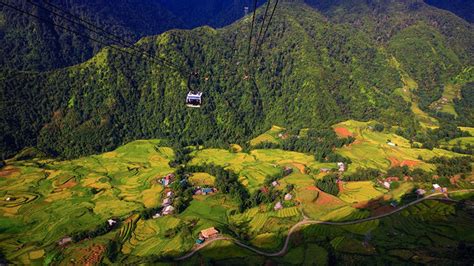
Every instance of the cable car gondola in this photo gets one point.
(194, 99)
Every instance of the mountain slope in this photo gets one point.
(311, 72)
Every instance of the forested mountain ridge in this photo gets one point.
(29, 44)
(312, 71)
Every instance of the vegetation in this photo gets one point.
(329, 184)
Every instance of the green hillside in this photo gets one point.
(311, 71)
(56, 211)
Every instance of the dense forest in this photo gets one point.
(312, 71)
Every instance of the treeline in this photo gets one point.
(226, 182)
(432, 138)
(320, 142)
(329, 184)
(448, 167)
(102, 229)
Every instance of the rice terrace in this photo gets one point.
(289, 208)
(237, 132)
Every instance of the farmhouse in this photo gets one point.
(386, 185)
(156, 215)
(275, 183)
(169, 194)
(391, 144)
(288, 197)
(111, 222)
(341, 166)
(166, 202)
(325, 170)
(287, 170)
(168, 210)
(420, 192)
(278, 206)
(209, 232)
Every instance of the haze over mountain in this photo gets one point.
(379, 60)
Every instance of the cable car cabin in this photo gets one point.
(194, 99)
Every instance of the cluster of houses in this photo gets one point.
(207, 234)
(388, 181)
(166, 204)
(279, 205)
(167, 180)
(438, 188)
(341, 167)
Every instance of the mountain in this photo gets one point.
(27, 43)
(316, 67)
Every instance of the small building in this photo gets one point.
(166, 202)
(287, 170)
(394, 204)
(111, 222)
(436, 187)
(209, 232)
(391, 144)
(288, 196)
(278, 206)
(169, 194)
(325, 170)
(64, 241)
(341, 166)
(168, 210)
(156, 215)
(386, 185)
(275, 183)
(198, 191)
(392, 179)
(420, 192)
(207, 190)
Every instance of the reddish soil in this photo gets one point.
(300, 167)
(8, 172)
(382, 210)
(323, 197)
(395, 162)
(95, 255)
(340, 185)
(313, 188)
(69, 184)
(454, 180)
(410, 163)
(343, 132)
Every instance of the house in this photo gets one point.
(167, 180)
(207, 190)
(394, 204)
(111, 222)
(64, 241)
(325, 170)
(391, 144)
(436, 187)
(200, 240)
(392, 179)
(167, 210)
(341, 166)
(169, 194)
(278, 206)
(209, 232)
(166, 202)
(198, 191)
(386, 185)
(420, 192)
(288, 196)
(275, 183)
(287, 170)
(156, 215)
(444, 190)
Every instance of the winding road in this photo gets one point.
(308, 222)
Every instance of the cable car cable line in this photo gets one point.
(251, 27)
(116, 39)
(263, 24)
(259, 46)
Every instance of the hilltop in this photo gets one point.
(314, 69)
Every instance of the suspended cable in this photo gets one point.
(251, 27)
(263, 23)
(259, 46)
(114, 38)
